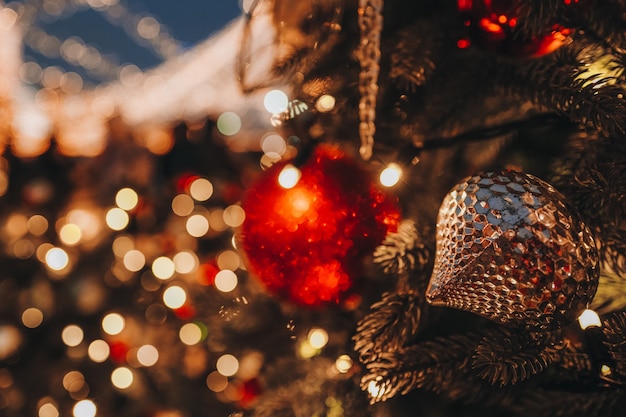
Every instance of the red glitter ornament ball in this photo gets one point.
(307, 243)
(490, 24)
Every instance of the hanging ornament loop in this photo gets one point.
(370, 24)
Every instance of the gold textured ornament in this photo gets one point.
(510, 248)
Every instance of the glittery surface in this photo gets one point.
(510, 248)
(307, 243)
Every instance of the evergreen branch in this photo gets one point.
(402, 252)
(535, 17)
(562, 82)
(507, 356)
(611, 293)
(392, 322)
(431, 365)
(412, 61)
(592, 174)
(558, 403)
(615, 339)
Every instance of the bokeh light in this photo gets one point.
(126, 199)
(201, 189)
(234, 215)
(325, 103)
(190, 334)
(343, 364)
(57, 259)
(98, 351)
(276, 101)
(227, 365)
(122, 377)
(113, 323)
(72, 335)
(289, 176)
(391, 175)
(85, 408)
(70, 234)
(48, 409)
(117, 219)
(182, 205)
(197, 225)
(216, 382)
(134, 260)
(226, 280)
(163, 268)
(229, 123)
(318, 338)
(185, 262)
(37, 225)
(32, 317)
(147, 355)
(174, 297)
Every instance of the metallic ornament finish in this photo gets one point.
(511, 249)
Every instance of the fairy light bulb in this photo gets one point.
(391, 175)
(289, 176)
(589, 318)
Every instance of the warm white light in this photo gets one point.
(589, 318)
(201, 189)
(228, 260)
(98, 351)
(37, 225)
(325, 103)
(182, 205)
(343, 364)
(275, 101)
(57, 259)
(148, 27)
(70, 234)
(117, 219)
(72, 335)
(227, 365)
(134, 260)
(234, 215)
(391, 175)
(113, 323)
(185, 262)
(122, 377)
(229, 123)
(226, 280)
(48, 410)
(216, 382)
(373, 389)
(147, 355)
(32, 317)
(163, 267)
(190, 334)
(318, 338)
(174, 297)
(126, 199)
(289, 176)
(273, 145)
(197, 225)
(85, 408)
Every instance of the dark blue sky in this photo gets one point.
(187, 21)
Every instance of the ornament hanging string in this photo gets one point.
(371, 25)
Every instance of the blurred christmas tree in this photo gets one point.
(418, 210)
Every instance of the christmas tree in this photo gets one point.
(372, 209)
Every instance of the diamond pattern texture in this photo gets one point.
(511, 248)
